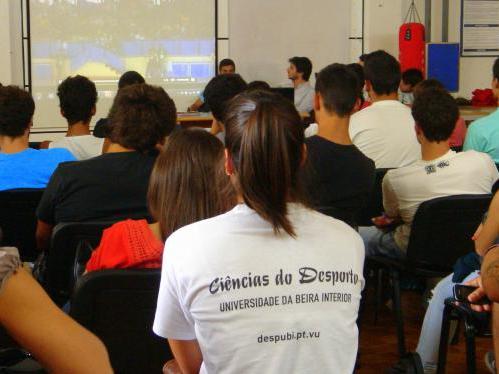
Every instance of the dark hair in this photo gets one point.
(431, 83)
(16, 111)
(358, 70)
(339, 89)
(303, 65)
(264, 138)
(412, 76)
(188, 182)
(495, 69)
(220, 90)
(141, 117)
(363, 57)
(383, 71)
(257, 85)
(77, 98)
(435, 112)
(129, 78)
(226, 62)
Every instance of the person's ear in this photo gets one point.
(356, 107)
(368, 86)
(62, 113)
(419, 132)
(304, 155)
(317, 101)
(94, 110)
(229, 164)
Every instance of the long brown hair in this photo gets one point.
(264, 137)
(188, 182)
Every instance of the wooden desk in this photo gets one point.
(471, 113)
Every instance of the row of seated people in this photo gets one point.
(259, 122)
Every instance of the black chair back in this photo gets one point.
(374, 206)
(119, 306)
(66, 238)
(442, 229)
(18, 220)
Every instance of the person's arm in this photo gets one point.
(390, 200)
(45, 144)
(57, 341)
(188, 355)
(489, 231)
(216, 127)
(195, 106)
(43, 235)
(490, 274)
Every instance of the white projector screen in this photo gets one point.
(170, 42)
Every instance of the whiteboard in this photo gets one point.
(265, 34)
(480, 28)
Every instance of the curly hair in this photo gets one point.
(435, 112)
(141, 117)
(16, 111)
(77, 99)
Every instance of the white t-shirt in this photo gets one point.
(82, 147)
(454, 173)
(311, 130)
(384, 132)
(264, 303)
(304, 97)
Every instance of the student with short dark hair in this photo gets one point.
(174, 201)
(21, 166)
(410, 78)
(299, 71)
(339, 177)
(257, 85)
(384, 131)
(440, 172)
(218, 93)
(257, 264)
(101, 129)
(77, 99)
(225, 66)
(483, 134)
(112, 186)
(459, 133)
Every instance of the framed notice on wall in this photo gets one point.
(479, 28)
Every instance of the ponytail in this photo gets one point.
(265, 140)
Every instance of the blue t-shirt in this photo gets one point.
(483, 136)
(30, 168)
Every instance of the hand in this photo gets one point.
(476, 295)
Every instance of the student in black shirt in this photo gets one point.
(112, 186)
(338, 177)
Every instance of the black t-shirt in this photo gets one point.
(338, 178)
(109, 187)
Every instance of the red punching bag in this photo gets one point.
(412, 42)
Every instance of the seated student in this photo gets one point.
(257, 264)
(299, 71)
(77, 98)
(112, 186)
(440, 172)
(217, 94)
(127, 79)
(226, 66)
(384, 131)
(188, 184)
(59, 343)
(21, 166)
(339, 178)
(483, 134)
(459, 133)
(410, 78)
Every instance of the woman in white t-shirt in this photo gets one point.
(270, 286)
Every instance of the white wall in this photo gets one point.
(5, 45)
(265, 34)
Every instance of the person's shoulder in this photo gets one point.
(472, 156)
(60, 154)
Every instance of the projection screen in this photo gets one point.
(170, 42)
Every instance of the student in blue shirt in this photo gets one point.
(483, 134)
(21, 166)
